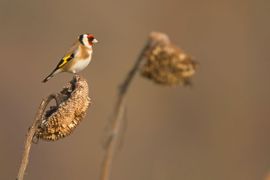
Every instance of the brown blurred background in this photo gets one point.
(216, 130)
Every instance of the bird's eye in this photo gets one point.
(90, 39)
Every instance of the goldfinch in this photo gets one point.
(77, 58)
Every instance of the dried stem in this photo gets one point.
(118, 117)
(31, 133)
(59, 121)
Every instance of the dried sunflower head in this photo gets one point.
(167, 64)
(60, 121)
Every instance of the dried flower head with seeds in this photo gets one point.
(60, 121)
(167, 64)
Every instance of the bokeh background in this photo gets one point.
(218, 129)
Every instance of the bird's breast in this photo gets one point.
(79, 65)
(81, 60)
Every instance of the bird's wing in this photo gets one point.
(69, 55)
(62, 62)
(65, 60)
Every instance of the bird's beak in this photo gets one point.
(95, 41)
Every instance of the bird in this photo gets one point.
(77, 57)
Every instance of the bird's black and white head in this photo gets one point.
(87, 40)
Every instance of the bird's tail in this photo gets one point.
(47, 78)
(56, 71)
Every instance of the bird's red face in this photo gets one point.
(87, 40)
(91, 39)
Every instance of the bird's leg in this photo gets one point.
(75, 78)
(75, 73)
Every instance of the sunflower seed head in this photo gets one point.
(167, 64)
(59, 122)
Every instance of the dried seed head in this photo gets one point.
(165, 63)
(60, 121)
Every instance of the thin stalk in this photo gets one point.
(30, 135)
(118, 117)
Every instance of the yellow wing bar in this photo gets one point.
(65, 60)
